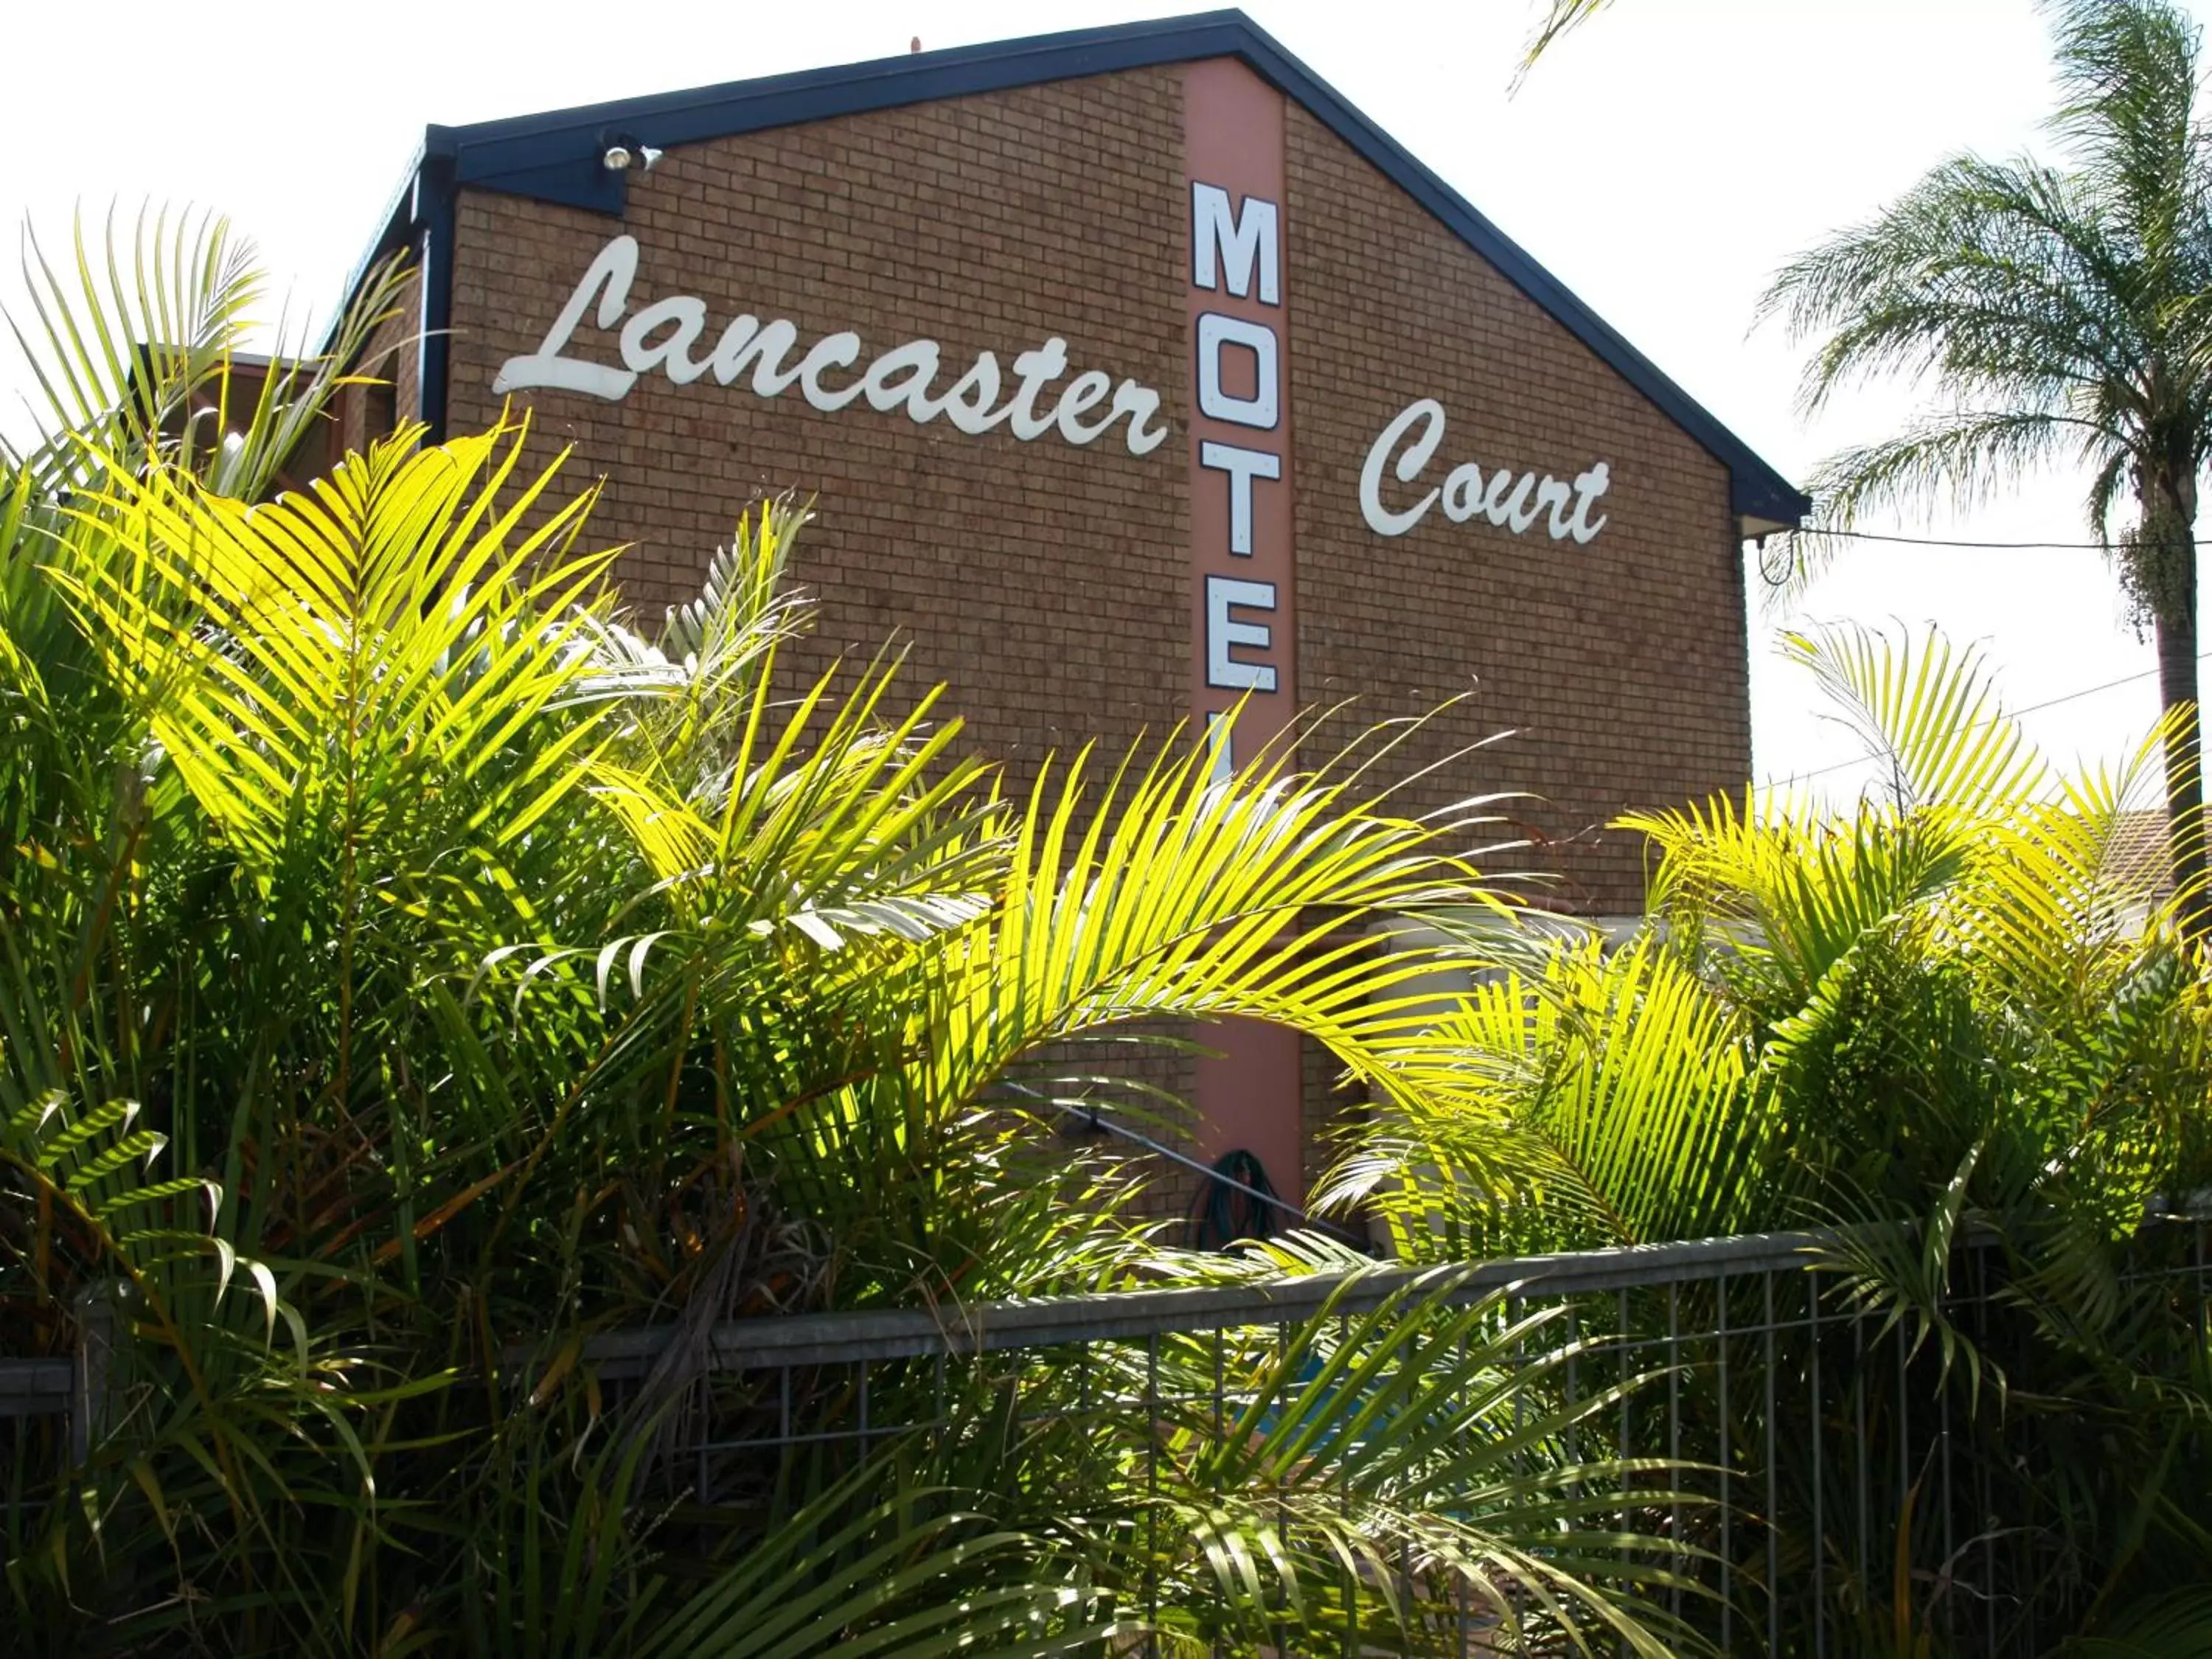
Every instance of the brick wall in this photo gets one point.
(1619, 665)
(366, 413)
(1050, 586)
(1044, 584)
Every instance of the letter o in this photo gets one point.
(1215, 332)
(1463, 493)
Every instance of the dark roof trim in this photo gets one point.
(555, 157)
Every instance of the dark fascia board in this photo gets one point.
(393, 231)
(556, 157)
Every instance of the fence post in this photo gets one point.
(93, 1368)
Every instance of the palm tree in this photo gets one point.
(2059, 313)
(1954, 1006)
(1761, 1048)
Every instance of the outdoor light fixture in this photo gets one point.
(623, 152)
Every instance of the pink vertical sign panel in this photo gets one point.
(1243, 631)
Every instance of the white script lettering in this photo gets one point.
(549, 366)
(1511, 501)
(661, 338)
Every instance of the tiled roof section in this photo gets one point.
(2137, 857)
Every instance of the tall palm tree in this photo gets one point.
(2059, 313)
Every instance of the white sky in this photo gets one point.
(1662, 163)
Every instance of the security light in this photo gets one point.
(624, 152)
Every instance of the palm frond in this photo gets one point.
(1396, 1472)
(911, 1577)
(2128, 82)
(1181, 896)
(1959, 458)
(392, 615)
(1926, 714)
(2162, 1627)
(712, 651)
(139, 357)
(1560, 18)
(2001, 280)
(1607, 1100)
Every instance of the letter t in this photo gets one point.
(1242, 465)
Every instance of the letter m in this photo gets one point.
(1224, 248)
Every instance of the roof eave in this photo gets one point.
(396, 229)
(555, 157)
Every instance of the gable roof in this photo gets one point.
(2139, 854)
(556, 157)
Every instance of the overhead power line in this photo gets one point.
(2005, 714)
(1939, 541)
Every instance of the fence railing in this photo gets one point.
(1829, 1472)
(799, 1340)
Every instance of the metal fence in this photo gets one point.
(1837, 1470)
(1832, 1473)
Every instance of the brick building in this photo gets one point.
(1131, 372)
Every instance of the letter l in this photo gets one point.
(617, 268)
